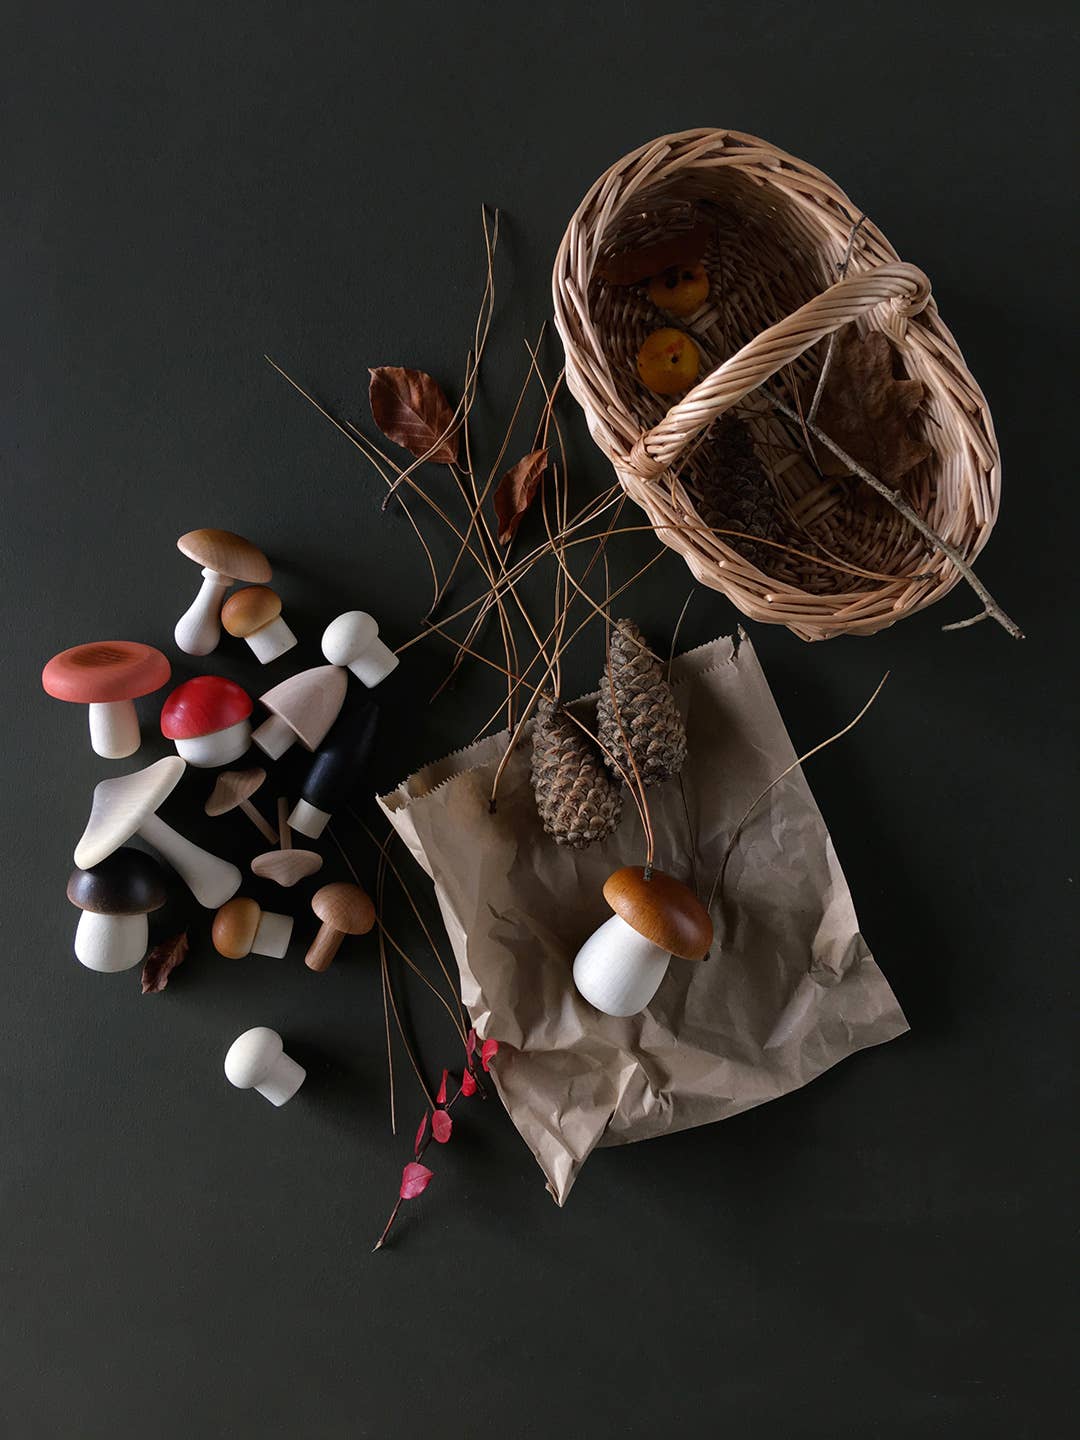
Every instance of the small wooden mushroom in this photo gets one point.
(241, 928)
(233, 791)
(115, 896)
(285, 866)
(257, 1061)
(344, 909)
(127, 805)
(619, 968)
(107, 676)
(301, 708)
(206, 718)
(353, 640)
(254, 615)
(225, 557)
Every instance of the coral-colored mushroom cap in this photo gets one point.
(105, 671)
(202, 706)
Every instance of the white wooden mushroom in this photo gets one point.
(257, 1061)
(353, 640)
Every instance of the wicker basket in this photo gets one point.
(780, 230)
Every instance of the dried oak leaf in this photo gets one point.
(868, 411)
(516, 491)
(410, 408)
(627, 267)
(415, 1179)
(162, 961)
(441, 1126)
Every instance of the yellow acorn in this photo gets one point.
(668, 362)
(680, 290)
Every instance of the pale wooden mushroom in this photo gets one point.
(285, 866)
(225, 557)
(344, 909)
(301, 708)
(233, 791)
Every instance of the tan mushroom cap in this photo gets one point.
(309, 702)
(234, 927)
(226, 553)
(286, 867)
(122, 804)
(232, 788)
(344, 907)
(662, 909)
(250, 610)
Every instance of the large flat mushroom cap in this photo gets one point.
(127, 882)
(345, 907)
(309, 702)
(662, 909)
(226, 553)
(105, 671)
(122, 804)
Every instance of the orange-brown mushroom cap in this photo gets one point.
(226, 553)
(234, 927)
(249, 610)
(662, 909)
(344, 907)
(105, 671)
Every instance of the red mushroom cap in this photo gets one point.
(105, 671)
(202, 706)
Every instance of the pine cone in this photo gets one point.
(646, 707)
(576, 799)
(735, 493)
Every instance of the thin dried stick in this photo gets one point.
(826, 364)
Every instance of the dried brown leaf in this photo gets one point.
(162, 961)
(516, 491)
(628, 267)
(867, 411)
(410, 408)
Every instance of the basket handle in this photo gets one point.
(904, 285)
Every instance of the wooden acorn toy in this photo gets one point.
(352, 640)
(225, 557)
(285, 866)
(339, 764)
(106, 676)
(207, 719)
(257, 1061)
(240, 928)
(344, 909)
(619, 968)
(301, 708)
(127, 806)
(115, 896)
(254, 615)
(233, 791)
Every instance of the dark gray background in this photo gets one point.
(883, 1254)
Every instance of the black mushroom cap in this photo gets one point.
(127, 882)
(344, 757)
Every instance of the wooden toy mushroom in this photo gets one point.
(254, 615)
(344, 909)
(339, 764)
(225, 557)
(127, 805)
(207, 719)
(301, 708)
(115, 896)
(353, 640)
(621, 965)
(257, 1061)
(106, 676)
(285, 866)
(241, 928)
(233, 791)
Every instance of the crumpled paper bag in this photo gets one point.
(790, 986)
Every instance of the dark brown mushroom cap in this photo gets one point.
(127, 882)
(344, 907)
(226, 553)
(662, 909)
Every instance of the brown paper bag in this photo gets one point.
(790, 987)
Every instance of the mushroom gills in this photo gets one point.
(617, 970)
(109, 943)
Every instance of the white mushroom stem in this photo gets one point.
(308, 819)
(114, 729)
(220, 747)
(111, 942)
(376, 662)
(274, 736)
(273, 935)
(212, 881)
(617, 970)
(199, 628)
(271, 641)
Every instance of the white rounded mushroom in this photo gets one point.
(257, 1061)
(352, 640)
